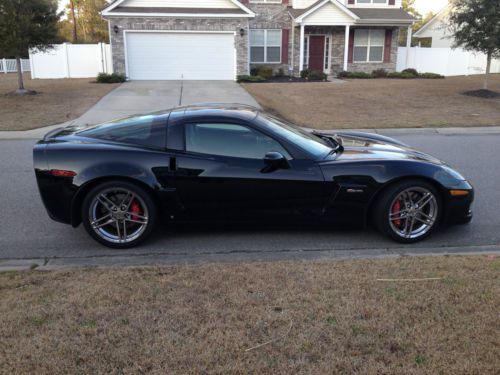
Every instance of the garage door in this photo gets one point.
(175, 56)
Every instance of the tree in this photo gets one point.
(476, 27)
(84, 23)
(409, 7)
(27, 24)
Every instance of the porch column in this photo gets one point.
(302, 35)
(346, 47)
(408, 45)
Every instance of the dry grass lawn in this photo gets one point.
(381, 103)
(295, 317)
(59, 100)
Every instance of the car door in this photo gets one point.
(222, 172)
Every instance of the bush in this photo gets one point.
(247, 78)
(411, 71)
(316, 75)
(281, 73)
(111, 78)
(361, 75)
(305, 73)
(379, 73)
(264, 71)
(430, 75)
(343, 74)
(403, 75)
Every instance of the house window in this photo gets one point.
(265, 46)
(369, 45)
(306, 52)
(371, 1)
(327, 53)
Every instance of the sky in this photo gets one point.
(422, 6)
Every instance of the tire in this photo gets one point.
(119, 214)
(393, 218)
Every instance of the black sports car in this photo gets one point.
(234, 162)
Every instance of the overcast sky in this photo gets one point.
(423, 6)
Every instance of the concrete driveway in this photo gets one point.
(147, 96)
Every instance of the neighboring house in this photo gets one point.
(219, 39)
(436, 32)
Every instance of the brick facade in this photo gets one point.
(268, 16)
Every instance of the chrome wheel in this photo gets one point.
(413, 212)
(118, 215)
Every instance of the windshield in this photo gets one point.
(314, 145)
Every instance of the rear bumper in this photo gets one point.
(57, 194)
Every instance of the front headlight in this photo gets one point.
(453, 173)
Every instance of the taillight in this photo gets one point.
(62, 173)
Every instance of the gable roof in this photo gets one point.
(300, 14)
(360, 15)
(117, 8)
(443, 12)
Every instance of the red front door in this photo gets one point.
(316, 52)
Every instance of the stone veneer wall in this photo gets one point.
(163, 23)
(272, 16)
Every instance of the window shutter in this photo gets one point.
(285, 33)
(351, 2)
(388, 46)
(285, 2)
(392, 2)
(351, 47)
(246, 1)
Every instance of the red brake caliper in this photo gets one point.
(396, 207)
(135, 208)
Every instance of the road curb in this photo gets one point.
(158, 259)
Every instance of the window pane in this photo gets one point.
(257, 54)
(377, 37)
(361, 38)
(256, 37)
(376, 53)
(379, 1)
(364, 1)
(230, 140)
(273, 54)
(274, 38)
(360, 53)
(149, 131)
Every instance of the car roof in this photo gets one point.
(217, 110)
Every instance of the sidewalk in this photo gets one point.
(39, 133)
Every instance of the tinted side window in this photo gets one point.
(147, 130)
(230, 140)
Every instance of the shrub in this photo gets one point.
(305, 73)
(343, 74)
(379, 73)
(361, 75)
(253, 72)
(265, 72)
(281, 73)
(111, 78)
(411, 71)
(247, 78)
(430, 75)
(403, 75)
(316, 75)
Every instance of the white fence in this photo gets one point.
(71, 61)
(10, 65)
(445, 61)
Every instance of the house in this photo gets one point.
(436, 32)
(219, 39)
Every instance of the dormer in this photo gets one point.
(302, 4)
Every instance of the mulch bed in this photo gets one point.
(286, 79)
(488, 94)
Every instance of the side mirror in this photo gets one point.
(274, 161)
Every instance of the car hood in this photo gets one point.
(366, 146)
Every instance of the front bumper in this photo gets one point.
(459, 208)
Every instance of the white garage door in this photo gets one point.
(175, 56)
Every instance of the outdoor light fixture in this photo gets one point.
(116, 29)
(242, 32)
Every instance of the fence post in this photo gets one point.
(66, 60)
(4, 64)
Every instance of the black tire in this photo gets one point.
(142, 197)
(383, 207)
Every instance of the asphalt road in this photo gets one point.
(26, 232)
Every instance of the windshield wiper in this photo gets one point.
(336, 146)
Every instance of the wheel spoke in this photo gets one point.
(106, 202)
(424, 221)
(118, 232)
(398, 215)
(142, 222)
(127, 201)
(424, 201)
(133, 214)
(97, 221)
